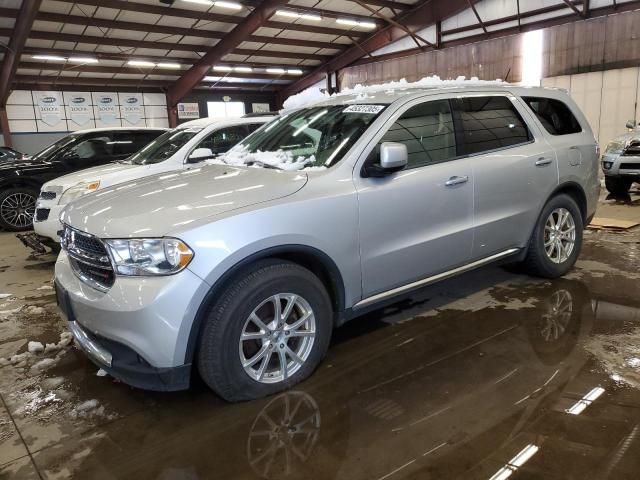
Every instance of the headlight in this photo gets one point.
(153, 256)
(614, 148)
(78, 191)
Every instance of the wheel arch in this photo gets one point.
(311, 258)
(575, 191)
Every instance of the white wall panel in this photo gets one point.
(586, 90)
(619, 91)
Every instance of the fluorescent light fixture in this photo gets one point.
(229, 5)
(222, 68)
(140, 63)
(516, 462)
(169, 65)
(201, 2)
(294, 71)
(49, 57)
(276, 71)
(585, 401)
(83, 60)
(288, 13)
(355, 23)
(212, 79)
(303, 16)
(243, 69)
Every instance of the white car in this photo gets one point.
(182, 148)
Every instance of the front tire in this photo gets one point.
(268, 331)
(618, 186)
(556, 241)
(17, 207)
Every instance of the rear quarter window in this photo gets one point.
(554, 115)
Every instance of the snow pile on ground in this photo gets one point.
(305, 98)
(5, 295)
(35, 347)
(35, 350)
(45, 287)
(33, 310)
(239, 156)
(313, 95)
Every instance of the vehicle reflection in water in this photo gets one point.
(505, 390)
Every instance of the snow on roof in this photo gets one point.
(314, 95)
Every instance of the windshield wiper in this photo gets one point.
(262, 164)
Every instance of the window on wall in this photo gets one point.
(488, 123)
(427, 131)
(225, 109)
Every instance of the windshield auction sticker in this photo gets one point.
(370, 109)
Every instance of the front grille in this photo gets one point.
(42, 214)
(89, 258)
(48, 195)
(632, 150)
(630, 166)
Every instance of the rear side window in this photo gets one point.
(427, 131)
(554, 115)
(488, 123)
(222, 140)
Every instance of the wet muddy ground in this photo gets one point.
(489, 375)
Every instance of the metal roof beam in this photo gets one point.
(232, 40)
(18, 37)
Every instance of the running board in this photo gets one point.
(436, 278)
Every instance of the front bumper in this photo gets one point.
(138, 330)
(49, 226)
(621, 165)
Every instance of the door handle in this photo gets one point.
(453, 181)
(543, 162)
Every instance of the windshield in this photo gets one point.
(54, 147)
(311, 138)
(164, 146)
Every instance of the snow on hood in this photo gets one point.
(239, 156)
(314, 95)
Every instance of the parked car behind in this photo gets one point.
(8, 153)
(21, 179)
(183, 148)
(621, 161)
(242, 273)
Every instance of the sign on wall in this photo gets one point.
(188, 111)
(107, 104)
(260, 107)
(80, 111)
(131, 107)
(49, 107)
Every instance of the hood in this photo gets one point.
(157, 205)
(104, 173)
(627, 137)
(27, 165)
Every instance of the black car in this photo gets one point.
(7, 153)
(22, 178)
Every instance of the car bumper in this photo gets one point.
(50, 226)
(138, 330)
(620, 165)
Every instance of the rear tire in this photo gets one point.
(618, 186)
(17, 207)
(242, 327)
(556, 241)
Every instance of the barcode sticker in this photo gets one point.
(370, 109)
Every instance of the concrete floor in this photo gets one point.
(453, 383)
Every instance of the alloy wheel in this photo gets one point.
(277, 338)
(17, 209)
(559, 235)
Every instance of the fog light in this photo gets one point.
(607, 165)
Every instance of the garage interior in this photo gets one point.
(490, 375)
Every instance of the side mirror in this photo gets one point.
(631, 124)
(393, 156)
(200, 154)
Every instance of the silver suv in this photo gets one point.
(621, 161)
(242, 270)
